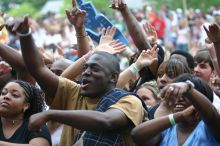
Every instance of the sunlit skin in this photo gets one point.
(204, 71)
(163, 79)
(147, 96)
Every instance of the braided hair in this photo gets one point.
(35, 97)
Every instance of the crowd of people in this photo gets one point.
(59, 87)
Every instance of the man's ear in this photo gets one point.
(114, 78)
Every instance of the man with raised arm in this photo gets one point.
(106, 115)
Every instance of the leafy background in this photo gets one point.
(32, 7)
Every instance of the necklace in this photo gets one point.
(13, 121)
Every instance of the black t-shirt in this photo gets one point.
(22, 135)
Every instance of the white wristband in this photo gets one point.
(24, 35)
(171, 119)
(133, 68)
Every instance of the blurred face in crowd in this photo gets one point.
(147, 96)
(204, 71)
(169, 70)
(59, 66)
(164, 78)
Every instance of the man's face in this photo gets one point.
(96, 77)
(204, 71)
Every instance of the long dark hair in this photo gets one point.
(35, 97)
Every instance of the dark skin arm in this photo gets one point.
(205, 108)
(213, 33)
(33, 59)
(15, 59)
(76, 18)
(133, 26)
(137, 35)
(148, 133)
(111, 120)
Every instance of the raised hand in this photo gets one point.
(147, 57)
(76, 16)
(107, 35)
(113, 47)
(18, 25)
(150, 32)
(213, 32)
(60, 52)
(173, 90)
(117, 4)
(4, 68)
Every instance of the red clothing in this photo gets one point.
(160, 25)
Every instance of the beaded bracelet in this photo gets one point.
(82, 36)
(24, 34)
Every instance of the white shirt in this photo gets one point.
(216, 101)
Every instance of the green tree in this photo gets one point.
(100, 5)
(24, 9)
(6, 5)
(200, 4)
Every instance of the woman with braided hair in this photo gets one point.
(18, 101)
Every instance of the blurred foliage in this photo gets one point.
(24, 9)
(7, 4)
(196, 4)
(32, 7)
(101, 6)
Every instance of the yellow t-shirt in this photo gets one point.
(68, 98)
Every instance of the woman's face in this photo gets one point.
(164, 78)
(12, 100)
(181, 104)
(147, 96)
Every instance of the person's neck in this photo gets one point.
(11, 122)
(101, 94)
(186, 127)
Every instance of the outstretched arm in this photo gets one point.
(15, 60)
(112, 119)
(38, 141)
(205, 108)
(133, 26)
(76, 18)
(32, 58)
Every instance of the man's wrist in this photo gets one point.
(24, 34)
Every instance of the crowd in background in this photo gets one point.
(181, 44)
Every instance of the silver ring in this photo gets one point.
(171, 88)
